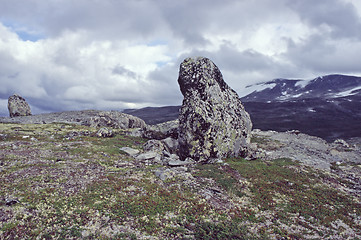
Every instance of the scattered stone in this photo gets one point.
(3, 136)
(296, 132)
(105, 133)
(18, 106)
(130, 151)
(154, 146)
(168, 157)
(178, 163)
(11, 201)
(213, 122)
(340, 143)
(149, 157)
(171, 144)
(76, 134)
(164, 174)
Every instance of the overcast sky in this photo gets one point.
(115, 54)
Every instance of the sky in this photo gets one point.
(65, 55)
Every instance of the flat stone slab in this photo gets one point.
(147, 156)
(130, 151)
(178, 163)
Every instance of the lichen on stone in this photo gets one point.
(211, 115)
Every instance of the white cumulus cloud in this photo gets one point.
(69, 55)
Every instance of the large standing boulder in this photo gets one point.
(213, 122)
(18, 106)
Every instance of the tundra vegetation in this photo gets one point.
(61, 181)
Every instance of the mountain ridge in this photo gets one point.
(326, 87)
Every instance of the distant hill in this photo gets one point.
(328, 107)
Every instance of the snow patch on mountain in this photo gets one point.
(256, 88)
(350, 92)
(302, 83)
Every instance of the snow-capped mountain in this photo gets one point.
(326, 87)
(328, 106)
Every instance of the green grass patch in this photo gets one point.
(225, 176)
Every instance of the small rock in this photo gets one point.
(149, 157)
(105, 132)
(164, 174)
(296, 132)
(3, 136)
(171, 144)
(341, 143)
(130, 151)
(11, 201)
(177, 163)
(154, 146)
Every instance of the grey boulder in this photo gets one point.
(213, 122)
(18, 106)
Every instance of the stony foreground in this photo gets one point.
(62, 181)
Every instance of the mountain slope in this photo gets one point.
(326, 87)
(328, 106)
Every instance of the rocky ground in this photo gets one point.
(63, 180)
(76, 117)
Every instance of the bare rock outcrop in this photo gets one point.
(162, 130)
(18, 106)
(114, 119)
(213, 122)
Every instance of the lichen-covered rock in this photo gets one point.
(154, 145)
(105, 133)
(18, 106)
(162, 130)
(213, 122)
(115, 119)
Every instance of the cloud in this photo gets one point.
(73, 68)
(338, 18)
(69, 55)
(320, 55)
